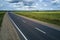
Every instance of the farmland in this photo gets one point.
(50, 17)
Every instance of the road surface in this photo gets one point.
(34, 31)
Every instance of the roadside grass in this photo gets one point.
(50, 17)
(1, 17)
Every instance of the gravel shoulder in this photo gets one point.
(8, 32)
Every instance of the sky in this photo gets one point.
(29, 4)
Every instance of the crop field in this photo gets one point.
(1, 17)
(50, 17)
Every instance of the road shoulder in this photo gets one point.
(8, 32)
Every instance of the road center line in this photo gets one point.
(40, 30)
(23, 21)
(18, 29)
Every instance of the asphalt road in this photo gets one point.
(34, 31)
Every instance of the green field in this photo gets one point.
(50, 17)
(1, 17)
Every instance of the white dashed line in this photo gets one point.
(40, 30)
(24, 21)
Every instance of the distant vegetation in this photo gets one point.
(1, 17)
(46, 16)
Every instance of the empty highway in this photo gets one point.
(34, 31)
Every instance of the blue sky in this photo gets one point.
(29, 4)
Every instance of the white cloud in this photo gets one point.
(40, 0)
(28, 0)
(1, 5)
(37, 4)
(41, 8)
(17, 5)
(45, 5)
(18, 8)
(51, 8)
(55, 1)
(8, 0)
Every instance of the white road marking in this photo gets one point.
(24, 21)
(18, 29)
(40, 30)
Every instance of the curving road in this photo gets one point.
(33, 31)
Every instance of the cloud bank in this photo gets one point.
(29, 4)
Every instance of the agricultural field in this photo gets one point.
(50, 17)
(1, 17)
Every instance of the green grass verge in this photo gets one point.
(50, 17)
(1, 17)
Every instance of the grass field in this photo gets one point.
(1, 17)
(50, 17)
